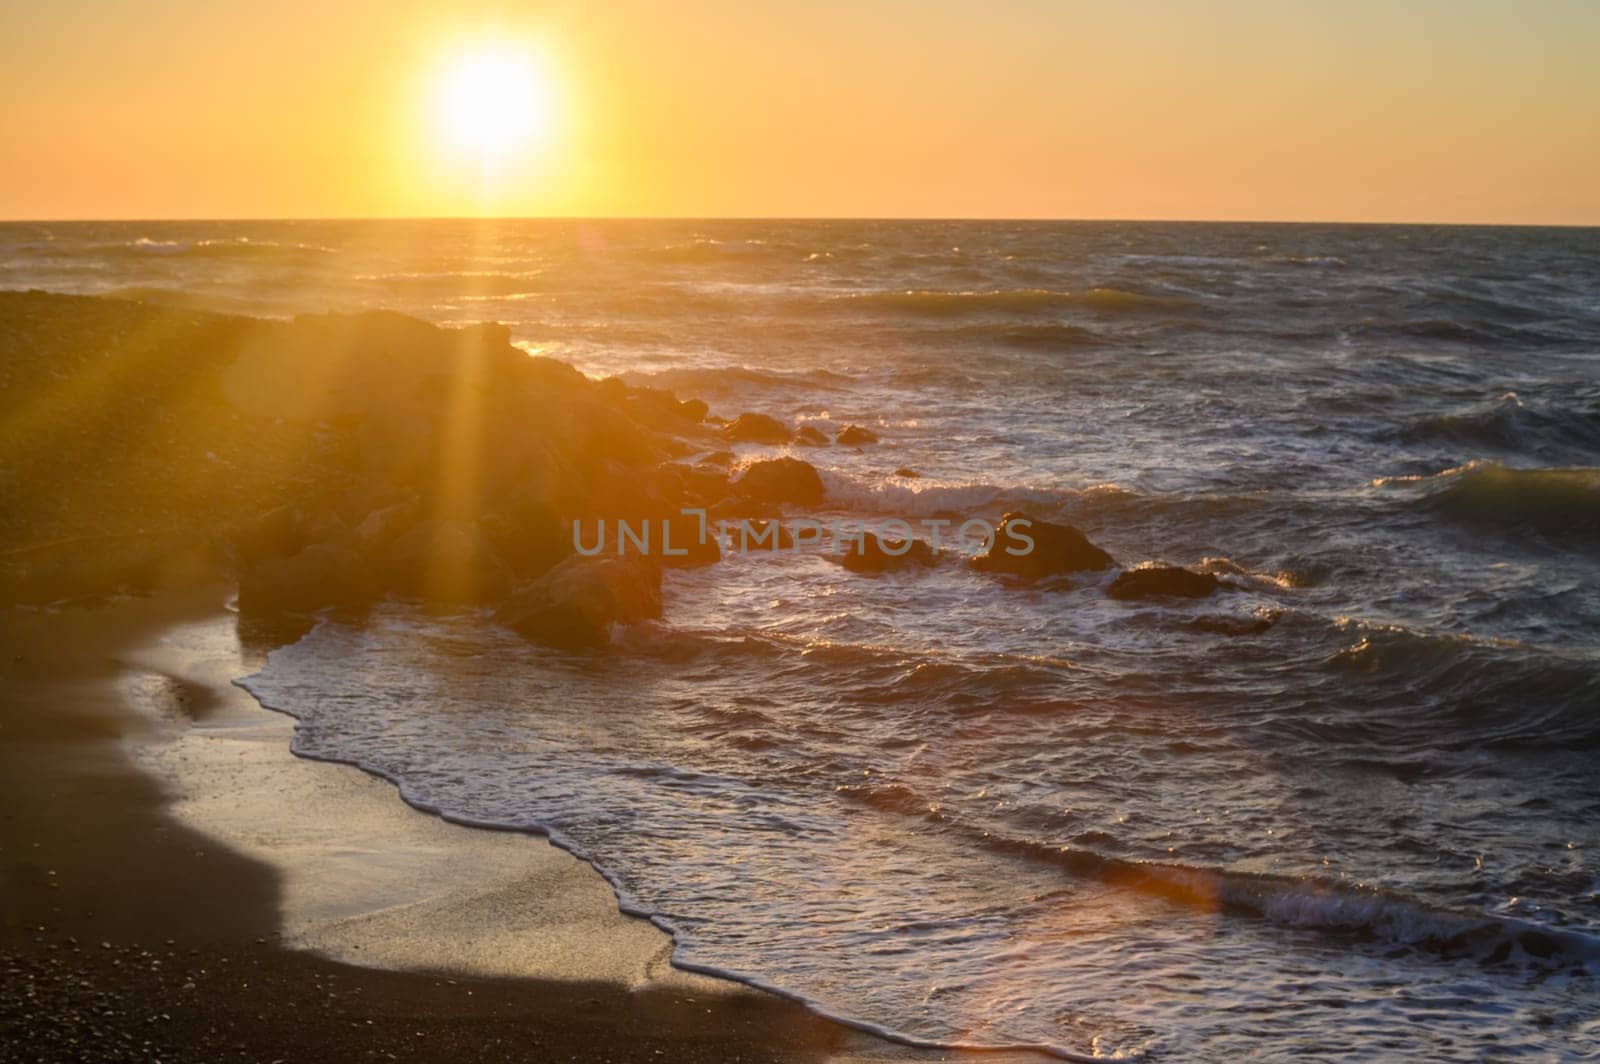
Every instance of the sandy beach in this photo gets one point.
(178, 886)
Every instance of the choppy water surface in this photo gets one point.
(977, 814)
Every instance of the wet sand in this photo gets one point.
(178, 886)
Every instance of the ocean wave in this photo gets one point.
(469, 283)
(1319, 261)
(1552, 501)
(895, 496)
(211, 248)
(940, 303)
(1362, 912)
(691, 380)
(1045, 336)
(709, 250)
(1508, 424)
(1475, 332)
(1098, 505)
(1458, 691)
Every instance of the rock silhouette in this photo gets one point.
(1032, 549)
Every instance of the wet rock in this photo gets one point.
(810, 436)
(855, 436)
(659, 409)
(1161, 581)
(1032, 549)
(574, 605)
(319, 576)
(446, 562)
(277, 533)
(697, 485)
(739, 507)
(759, 534)
(529, 539)
(757, 428)
(782, 480)
(684, 543)
(878, 554)
(1233, 626)
(909, 474)
(376, 533)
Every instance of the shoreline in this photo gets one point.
(174, 888)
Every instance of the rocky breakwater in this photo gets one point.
(331, 461)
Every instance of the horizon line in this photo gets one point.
(1035, 219)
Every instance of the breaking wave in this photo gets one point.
(935, 303)
(1564, 501)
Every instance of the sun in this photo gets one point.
(494, 103)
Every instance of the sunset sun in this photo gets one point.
(493, 103)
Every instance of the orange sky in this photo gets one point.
(1404, 110)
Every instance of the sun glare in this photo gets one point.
(494, 103)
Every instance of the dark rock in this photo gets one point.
(877, 554)
(739, 507)
(659, 409)
(1233, 626)
(446, 562)
(909, 474)
(278, 533)
(782, 480)
(376, 533)
(684, 533)
(530, 540)
(757, 428)
(574, 605)
(855, 436)
(1157, 581)
(697, 485)
(1054, 549)
(754, 535)
(810, 436)
(320, 576)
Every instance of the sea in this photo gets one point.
(1347, 808)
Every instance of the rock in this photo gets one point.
(909, 474)
(782, 480)
(757, 428)
(1158, 581)
(322, 575)
(377, 531)
(855, 436)
(1032, 549)
(529, 541)
(753, 535)
(446, 562)
(683, 533)
(659, 409)
(278, 533)
(738, 507)
(810, 436)
(877, 554)
(1233, 626)
(574, 605)
(696, 485)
